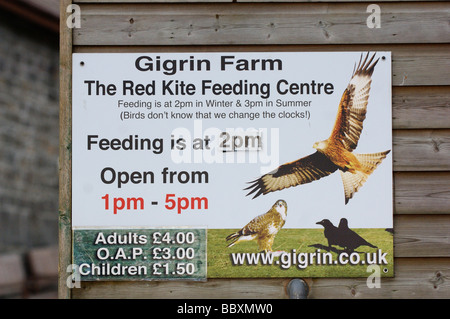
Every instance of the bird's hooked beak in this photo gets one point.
(320, 145)
(320, 223)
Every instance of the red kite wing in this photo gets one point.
(353, 106)
(302, 171)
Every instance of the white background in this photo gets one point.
(229, 207)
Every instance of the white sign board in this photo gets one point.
(179, 140)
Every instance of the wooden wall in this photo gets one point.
(417, 33)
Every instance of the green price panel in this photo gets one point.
(140, 254)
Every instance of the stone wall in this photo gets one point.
(29, 135)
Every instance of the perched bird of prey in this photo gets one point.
(349, 239)
(330, 232)
(262, 228)
(336, 152)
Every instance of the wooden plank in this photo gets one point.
(233, 24)
(65, 152)
(415, 193)
(420, 107)
(412, 65)
(422, 236)
(415, 278)
(422, 193)
(421, 150)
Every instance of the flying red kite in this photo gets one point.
(336, 152)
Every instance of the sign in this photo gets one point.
(226, 165)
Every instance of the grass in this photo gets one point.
(298, 241)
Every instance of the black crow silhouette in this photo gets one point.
(349, 239)
(342, 235)
(331, 232)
